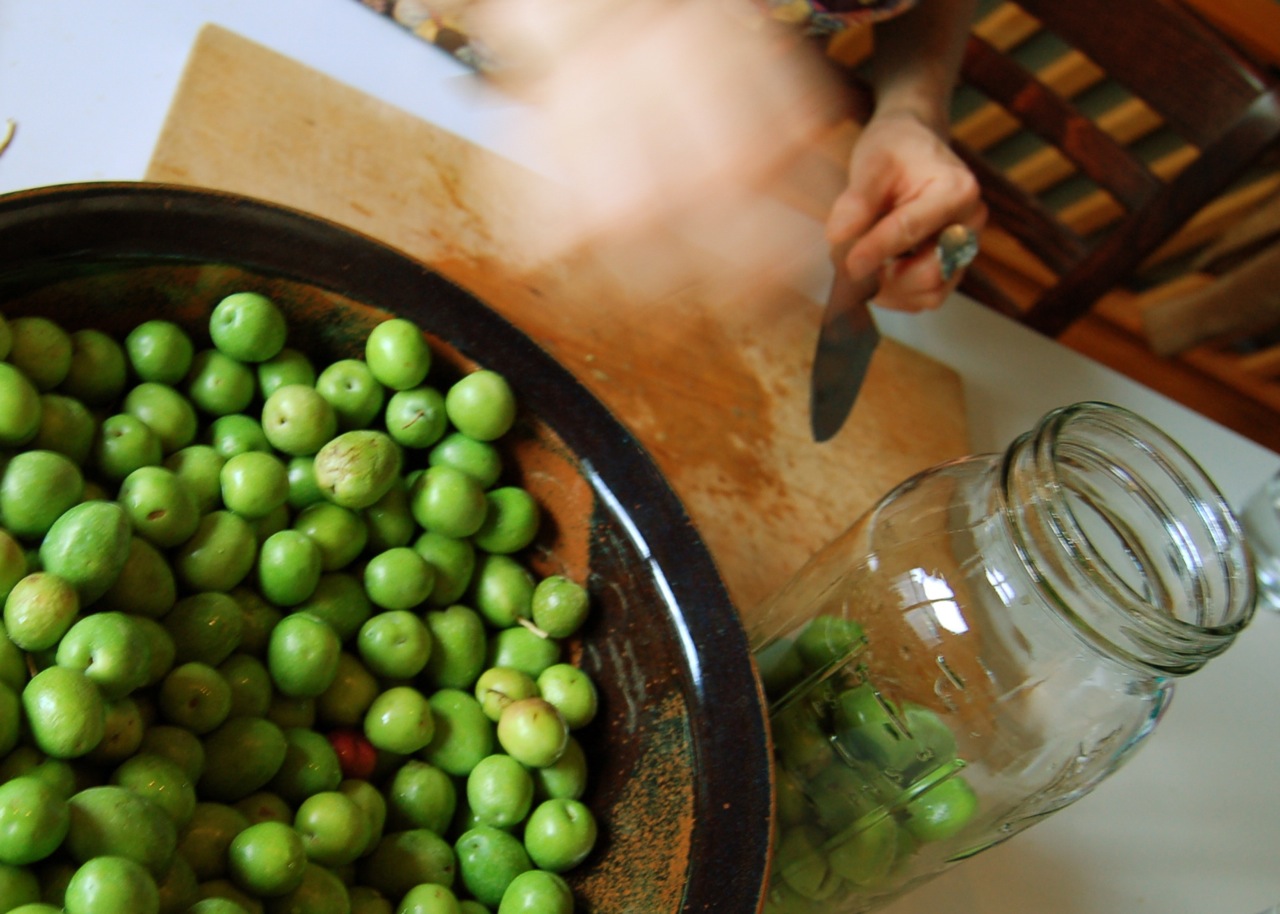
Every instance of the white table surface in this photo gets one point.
(1190, 826)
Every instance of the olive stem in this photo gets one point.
(533, 628)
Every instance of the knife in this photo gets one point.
(848, 336)
(846, 342)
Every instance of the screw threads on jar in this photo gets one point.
(1127, 537)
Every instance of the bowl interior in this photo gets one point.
(681, 778)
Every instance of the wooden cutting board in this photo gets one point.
(716, 389)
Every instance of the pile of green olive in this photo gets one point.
(863, 782)
(269, 640)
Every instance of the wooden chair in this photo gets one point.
(1090, 205)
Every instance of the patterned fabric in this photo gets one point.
(826, 18)
(440, 21)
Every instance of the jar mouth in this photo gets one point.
(1135, 519)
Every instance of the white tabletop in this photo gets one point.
(1190, 826)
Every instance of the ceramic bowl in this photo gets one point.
(681, 776)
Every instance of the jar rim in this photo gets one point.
(1200, 582)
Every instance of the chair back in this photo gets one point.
(1098, 129)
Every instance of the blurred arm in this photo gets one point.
(917, 58)
(905, 183)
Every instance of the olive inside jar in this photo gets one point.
(983, 647)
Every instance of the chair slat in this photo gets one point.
(1068, 75)
(1097, 211)
(1216, 218)
(1126, 123)
(1007, 26)
(1198, 86)
(1124, 249)
(1024, 216)
(1265, 363)
(1045, 113)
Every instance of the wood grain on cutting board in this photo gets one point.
(716, 388)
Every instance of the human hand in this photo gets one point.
(905, 186)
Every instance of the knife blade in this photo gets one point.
(846, 342)
(848, 336)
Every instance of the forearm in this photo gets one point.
(917, 58)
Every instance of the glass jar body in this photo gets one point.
(931, 695)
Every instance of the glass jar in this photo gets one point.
(991, 640)
(1260, 520)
